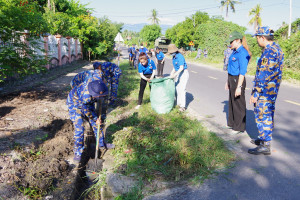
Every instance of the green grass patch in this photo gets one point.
(169, 146)
(291, 74)
(32, 192)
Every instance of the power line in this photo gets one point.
(187, 10)
(271, 5)
(190, 11)
(173, 13)
(165, 10)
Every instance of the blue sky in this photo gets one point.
(171, 12)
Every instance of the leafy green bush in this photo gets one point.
(213, 36)
(283, 31)
(291, 49)
(182, 33)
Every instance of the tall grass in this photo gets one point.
(170, 146)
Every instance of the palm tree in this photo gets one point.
(256, 20)
(154, 19)
(228, 3)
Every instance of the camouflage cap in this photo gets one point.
(96, 65)
(264, 30)
(97, 89)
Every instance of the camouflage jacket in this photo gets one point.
(268, 73)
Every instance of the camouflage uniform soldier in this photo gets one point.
(266, 85)
(107, 72)
(86, 77)
(110, 74)
(81, 104)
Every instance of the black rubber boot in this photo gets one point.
(261, 149)
(256, 142)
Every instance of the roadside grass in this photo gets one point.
(171, 147)
(166, 147)
(291, 74)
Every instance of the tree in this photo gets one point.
(154, 19)
(149, 33)
(213, 36)
(64, 17)
(256, 19)
(199, 18)
(133, 35)
(228, 3)
(182, 33)
(16, 59)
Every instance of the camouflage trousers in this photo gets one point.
(264, 118)
(114, 91)
(77, 117)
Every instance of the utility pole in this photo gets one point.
(290, 24)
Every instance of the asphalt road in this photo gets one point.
(253, 177)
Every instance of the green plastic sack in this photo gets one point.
(162, 95)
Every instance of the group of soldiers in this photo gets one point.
(265, 85)
(101, 85)
(134, 53)
(133, 56)
(89, 87)
(199, 52)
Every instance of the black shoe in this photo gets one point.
(260, 149)
(256, 142)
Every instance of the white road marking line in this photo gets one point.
(194, 72)
(247, 88)
(212, 77)
(71, 74)
(292, 102)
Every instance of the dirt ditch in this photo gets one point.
(36, 148)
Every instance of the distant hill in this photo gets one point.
(138, 27)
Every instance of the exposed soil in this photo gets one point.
(36, 138)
